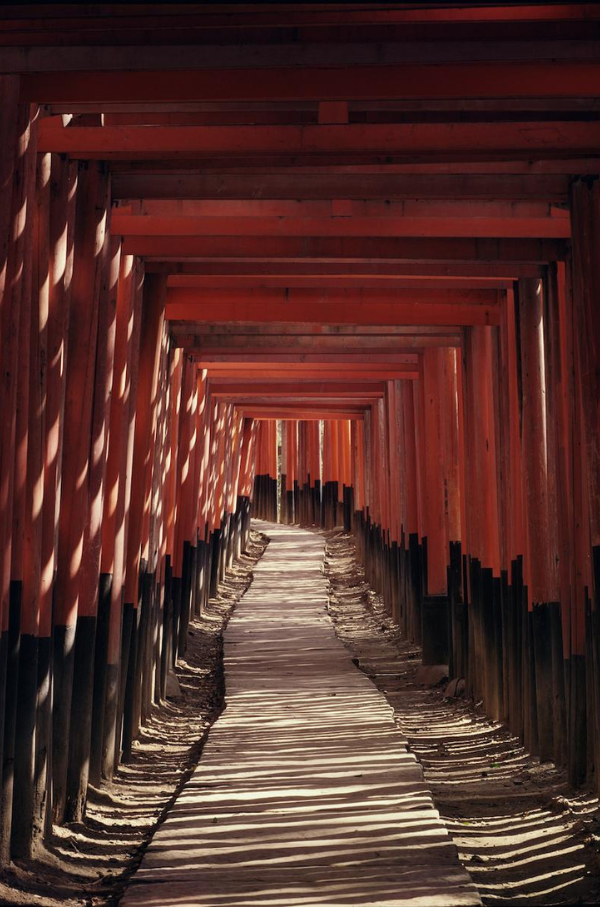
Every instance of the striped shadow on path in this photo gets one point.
(305, 793)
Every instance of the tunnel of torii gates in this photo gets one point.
(333, 265)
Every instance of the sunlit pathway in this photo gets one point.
(305, 793)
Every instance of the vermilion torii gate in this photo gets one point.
(334, 263)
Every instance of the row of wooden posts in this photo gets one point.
(124, 490)
(473, 493)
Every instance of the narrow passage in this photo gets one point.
(305, 793)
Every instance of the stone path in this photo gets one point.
(305, 793)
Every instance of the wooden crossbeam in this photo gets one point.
(290, 348)
(314, 372)
(292, 388)
(295, 413)
(337, 313)
(467, 80)
(256, 269)
(443, 141)
(441, 225)
(346, 247)
(383, 283)
(388, 186)
(131, 57)
(386, 209)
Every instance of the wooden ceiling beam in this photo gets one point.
(298, 332)
(324, 297)
(280, 411)
(387, 209)
(345, 247)
(252, 356)
(291, 388)
(316, 373)
(49, 58)
(327, 186)
(467, 80)
(443, 141)
(337, 313)
(350, 270)
(293, 348)
(437, 226)
(319, 282)
(331, 370)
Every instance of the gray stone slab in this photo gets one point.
(306, 792)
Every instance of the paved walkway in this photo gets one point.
(305, 793)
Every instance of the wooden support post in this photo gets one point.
(81, 359)
(559, 543)
(535, 478)
(152, 322)
(434, 491)
(15, 358)
(60, 268)
(85, 640)
(117, 636)
(105, 678)
(482, 513)
(23, 806)
(9, 96)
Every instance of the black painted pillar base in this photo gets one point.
(42, 788)
(577, 759)
(131, 617)
(166, 652)
(186, 598)
(22, 818)
(100, 668)
(542, 650)
(10, 720)
(81, 719)
(215, 559)
(110, 732)
(62, 667)
(176, 592)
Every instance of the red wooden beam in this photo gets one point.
(345, 207)
(445, 141)
(190, 296)
(295, 413)
(353, 356)
(388, 186)
(291, 388)
(256, 20)
(348, 269)
(224, 282)
(193, 55)
(317, 373)
(340, 248)
(467, 80)
(344, 349)
(434, 225)
(299, 334)
(338, 313)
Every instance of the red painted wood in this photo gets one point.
(467, 80)
(434, 225)
(150, 343)
(81, 354)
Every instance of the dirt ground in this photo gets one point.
(91, 863)
(522, 834)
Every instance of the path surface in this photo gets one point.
(305, 793)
